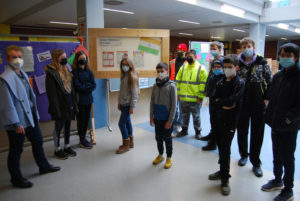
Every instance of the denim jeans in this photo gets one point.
(178, 116)
(125, 122)
(16, 142)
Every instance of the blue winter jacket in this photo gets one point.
(15, 107)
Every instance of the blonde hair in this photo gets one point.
(63, 71)
(12, 47)
(133, 78)
(247, 40)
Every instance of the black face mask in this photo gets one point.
(180, 54)
(190, 60)
(82, 62)
(63, 61)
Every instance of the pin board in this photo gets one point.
(144, 47)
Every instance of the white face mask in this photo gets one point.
(162, 75)
(125, 68)
(229, 72)
(17, 63)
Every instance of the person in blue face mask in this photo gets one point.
(256, 73)
(283, 116)
(217, 75)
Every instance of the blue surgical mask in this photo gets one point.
(214, 53)
(218, 71)
(286, 62)
(248, 52)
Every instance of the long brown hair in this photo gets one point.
(64, 73)
(133, 78)
(75, 61)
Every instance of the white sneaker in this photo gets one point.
(178, 129)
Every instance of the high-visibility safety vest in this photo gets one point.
(191, 81)
(172, 69)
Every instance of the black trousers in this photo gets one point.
(224, 134)
(251, 112)
(163, 135)
(212, 118)
(284, 146)
(16, 142)
(59, 125)
(83, 119)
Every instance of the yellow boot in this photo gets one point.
(168, 163)
(158, 160)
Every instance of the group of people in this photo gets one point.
(240, 89)
(69, 95)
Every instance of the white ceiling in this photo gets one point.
(157, 14)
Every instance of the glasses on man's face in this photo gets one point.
(14, 57)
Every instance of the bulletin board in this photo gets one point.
(145, 47)
(38, 56)
(203, 52)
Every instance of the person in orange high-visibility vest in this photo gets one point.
(175, 65)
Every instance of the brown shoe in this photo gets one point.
(131, 143)
(123, 148)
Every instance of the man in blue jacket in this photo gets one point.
(283, 116)
(19, 117)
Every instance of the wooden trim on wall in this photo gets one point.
(94, 33)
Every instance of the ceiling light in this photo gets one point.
(284, 38)
(267, 35)
(190, 22)
(124, 28)
(194, 2)
(239, 30)
(119, 11)
(66, 23)
(216, 37)
(187, 34)
(232, 10)
(297, 30)
(275, 0)
(238, 39)
(283, 26)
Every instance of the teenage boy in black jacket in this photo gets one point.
(255, 71)
(283, 116)
(228, 95)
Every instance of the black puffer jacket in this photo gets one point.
(283, 111)
(59, 106)
(257, 82)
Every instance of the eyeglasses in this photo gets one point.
(14, 57)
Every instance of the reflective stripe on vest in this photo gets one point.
(188, 82)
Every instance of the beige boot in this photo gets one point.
(131, 143)
(123, 148)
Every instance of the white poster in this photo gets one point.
(44, 56)
(110, 42)
(138, 58)
(28, 59)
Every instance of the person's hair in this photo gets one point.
(232, 59)
(217, 43)
(247, 40)
(291, 48)
(64, 73)
(192, 51)
(162, 65)
(12, 47)
(133, 78)
(75, 61)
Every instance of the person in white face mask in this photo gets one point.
(227, 98)
(19, 117)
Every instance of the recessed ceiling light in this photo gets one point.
(66, 23)
(231, 10)
(284, 38)
(118, 11)
(297, 30)
(216, 37)
(187, 34)
(283, 26)
(267, 35)
(190, 22)
(124, 28)
(239, 30)
(194, 2)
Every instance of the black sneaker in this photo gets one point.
(182, 133)
(243, 161)
(49, 169)
(206, 138)
(85, 144)
(23, 183)
(225, 188)
(70, 151)
(257, 171)
(214, 176)
(60, 154)
(272, 185)
(198, 135)
(285, 195)
(210, 146)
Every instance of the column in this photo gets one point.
(257, 32)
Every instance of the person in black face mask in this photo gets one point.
(84, 84)
(62, 101)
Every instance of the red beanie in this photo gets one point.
(182, 46)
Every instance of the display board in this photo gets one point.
(36, 56)
(114, 83)
(145, 47)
